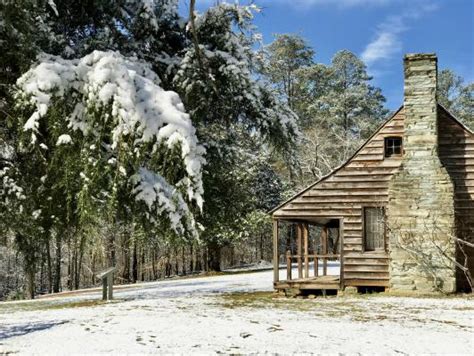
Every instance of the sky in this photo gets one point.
(378, 31)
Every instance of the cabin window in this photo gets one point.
(374, 228)
(393, 146)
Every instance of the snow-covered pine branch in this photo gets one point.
(226, 51)
(140, 120)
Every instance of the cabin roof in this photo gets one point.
(357, 152)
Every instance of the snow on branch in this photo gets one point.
(157, 193)
(129, 94)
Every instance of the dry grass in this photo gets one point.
(358, 307)
(6, 308)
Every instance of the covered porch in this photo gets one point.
(307, 254)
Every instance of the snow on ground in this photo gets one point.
(222, 314)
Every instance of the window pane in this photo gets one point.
(393, 146)
(374, 229)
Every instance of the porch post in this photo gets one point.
(299, 230)
(306, 252)
(276, 270)
(324, 242)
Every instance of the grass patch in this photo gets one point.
(320, 306)
(357, 308)
(50, 305)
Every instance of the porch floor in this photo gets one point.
(315, 283)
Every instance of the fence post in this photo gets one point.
(104, 289)
(107, 278)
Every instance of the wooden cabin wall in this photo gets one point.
(361, 182)
(456, 151)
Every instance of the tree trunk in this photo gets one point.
(49, 266)
(183, 261)
(79, 261)
(142, 266)
(176, 262)
(111, 250)
(30, 282)
(167, 264)
(73, 266)
(126, 261)
(232, 256)
(153, 264)
(93, 268)
(134, 263)
(42, 274)
(191, 258)
(198, 266)
(214, 257)
(57, 264)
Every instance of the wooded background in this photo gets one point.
(268, 119)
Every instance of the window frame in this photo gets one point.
(364, 229)
(385, 146)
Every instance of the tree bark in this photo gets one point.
(183, 261)
(176, 261)
(79, 261)
(214, 256)
(57, 264)
(49, 266)
(30, 282)
(191, 258)
(126, 259)
(111, 250)
(198, 265)
(142, 265)
(134, 263)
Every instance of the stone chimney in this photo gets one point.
(420, 212)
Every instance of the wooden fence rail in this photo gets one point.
(306, 257)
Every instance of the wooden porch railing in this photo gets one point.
(305, 267)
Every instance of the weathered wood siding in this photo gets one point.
(456, 152)
(361, 182)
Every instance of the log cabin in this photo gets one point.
(398, 215)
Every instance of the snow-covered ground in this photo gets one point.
(215, 315)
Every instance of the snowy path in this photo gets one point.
(198, 316)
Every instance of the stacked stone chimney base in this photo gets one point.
(420, 218)
(420, 212)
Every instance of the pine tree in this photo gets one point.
(456, 96)
(64, 171)
(284, 58)
(344, 108)
(217, 81)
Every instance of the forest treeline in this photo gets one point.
(134, 136)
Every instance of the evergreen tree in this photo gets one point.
(344, 108)
(57, 176)
(217, 80)
(99, 143)
(456, 96)
(285, 57)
